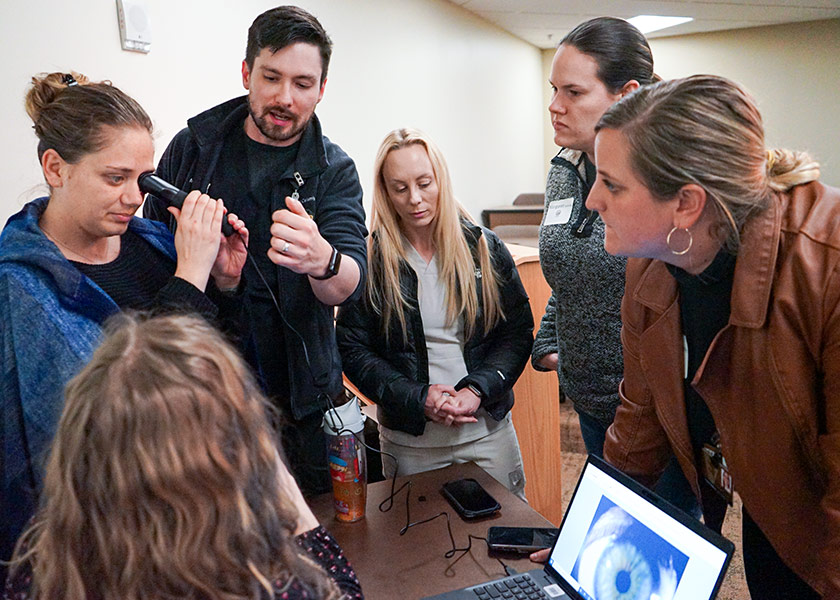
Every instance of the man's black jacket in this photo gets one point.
(330, 193)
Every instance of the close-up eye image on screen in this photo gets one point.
(621, 559)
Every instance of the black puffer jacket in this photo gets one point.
(395, 373)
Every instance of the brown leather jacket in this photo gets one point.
(771, 379)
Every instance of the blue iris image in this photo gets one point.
(622, 559)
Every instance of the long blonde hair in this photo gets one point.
(163, 479)
(386, 250)
(706, 130)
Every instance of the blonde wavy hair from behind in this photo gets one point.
(457, 268)
(163, 480)
(708, 131)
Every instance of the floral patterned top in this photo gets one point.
(317, 543)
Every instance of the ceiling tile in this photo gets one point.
(544, 22)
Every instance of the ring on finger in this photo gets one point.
(285, 248)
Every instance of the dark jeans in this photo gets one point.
(306, 452)
(767, 576)
(672, 485)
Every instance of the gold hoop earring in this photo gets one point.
(668, 241)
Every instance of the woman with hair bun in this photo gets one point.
(165, 481)
(73, 258)
(731, 321)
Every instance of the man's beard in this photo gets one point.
(274, 132)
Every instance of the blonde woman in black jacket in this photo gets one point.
(445, 328)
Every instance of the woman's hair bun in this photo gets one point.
(45, 88)
(70, 113)
(787, 168)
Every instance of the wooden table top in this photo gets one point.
(391, 566)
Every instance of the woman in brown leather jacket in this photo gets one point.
(731, 323)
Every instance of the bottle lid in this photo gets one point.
(345, 418)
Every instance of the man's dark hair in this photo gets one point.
(283, 26)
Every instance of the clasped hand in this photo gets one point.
(451, 407)
(202, 249)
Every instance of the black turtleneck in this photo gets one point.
(704, 311)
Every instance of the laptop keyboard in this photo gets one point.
(521, 587)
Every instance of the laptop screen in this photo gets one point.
(619, 541)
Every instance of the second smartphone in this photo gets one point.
(523, 540)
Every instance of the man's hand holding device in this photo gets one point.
(297, 244)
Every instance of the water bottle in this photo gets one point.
(347, 461)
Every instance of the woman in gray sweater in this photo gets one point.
(596, 64)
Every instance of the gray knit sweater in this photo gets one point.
(582, 320)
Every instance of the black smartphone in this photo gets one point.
(469, 499)
(522, 540)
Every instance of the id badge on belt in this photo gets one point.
(715, 471)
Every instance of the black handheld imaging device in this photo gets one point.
(152, 184)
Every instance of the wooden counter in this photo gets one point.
(536, 413)
(512, 214)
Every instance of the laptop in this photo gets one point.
(618, 540)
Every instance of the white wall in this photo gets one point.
(792, 70)
(424, 63)
(550, 149)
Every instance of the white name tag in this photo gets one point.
(558, 212)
